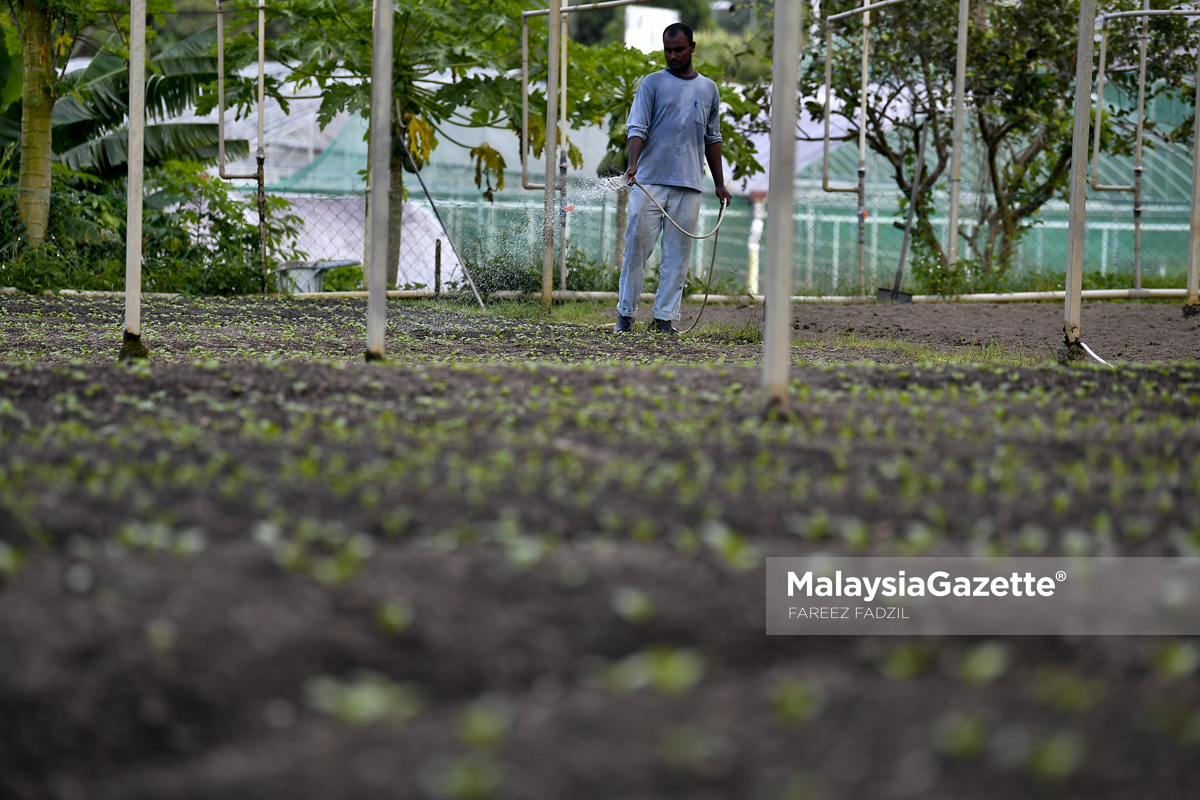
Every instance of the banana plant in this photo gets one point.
(89, 124)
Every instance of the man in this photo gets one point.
(674, 126)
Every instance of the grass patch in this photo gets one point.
(993, 353)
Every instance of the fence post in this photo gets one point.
(132, 346)
(960, 91)
(781, 205)
(552, 56)
(1078, 192)
(437, 268)
(1192, 306)
(381, 148)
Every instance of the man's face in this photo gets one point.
(679, 52)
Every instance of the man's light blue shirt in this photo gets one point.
(676, 117)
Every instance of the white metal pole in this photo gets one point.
(132, 346)
(960, 104)
(381, 150)
(1138, 166)
(562, 155)
(548, 216)
(755, 242)
(1078, 191)
(1192, 306)
(777, 350)
(862, 151)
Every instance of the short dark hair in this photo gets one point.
(678, 27)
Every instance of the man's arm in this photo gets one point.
(636, 143)
(638, 126)
(712, 154)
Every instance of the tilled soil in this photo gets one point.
(1132, 332)
(68, 328)
(249, 578)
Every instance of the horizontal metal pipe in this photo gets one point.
(97, 293)
(542, 12)
(854, 12)
(840, 300)
(1173, 12)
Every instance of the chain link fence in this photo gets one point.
(201, 238)
(501, 243)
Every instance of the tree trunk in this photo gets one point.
(621, 222)
(37, 98)
(395, 215)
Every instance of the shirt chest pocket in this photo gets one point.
(700, 112)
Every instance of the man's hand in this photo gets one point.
(712, 154)
(636, 143)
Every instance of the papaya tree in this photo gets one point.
(450, 64)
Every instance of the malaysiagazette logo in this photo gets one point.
(825, 594)
(937, 584)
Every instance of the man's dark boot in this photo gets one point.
(664, 326)
(624, 324)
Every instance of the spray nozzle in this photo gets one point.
(614, 183)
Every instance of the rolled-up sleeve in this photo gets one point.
(712, 132)
(641, 112)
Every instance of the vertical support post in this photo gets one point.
(437, 268)
(261, 155)
(960, 104)
(777, 350)
(381, 158)
(754, 244)
(862, 153)
(562, 156)
(1099, 126)
(1076, 227)
(554, 21)
(1138, 166)
(132, 346)
(603, 216)
(1191, 307)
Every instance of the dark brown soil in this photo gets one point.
(1132, 332)
(263, 578)
(46, 328)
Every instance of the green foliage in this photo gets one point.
(89, 124)
(199, 237)
(343, 279)
(741, 60)
(797, 700)
(362, 699)
(215, 221)
(961, 735)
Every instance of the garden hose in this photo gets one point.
(712, 262)
(1088, 350)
